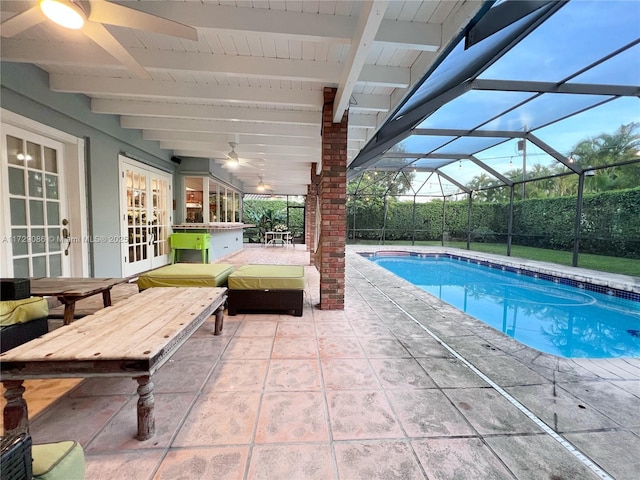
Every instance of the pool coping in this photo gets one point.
(593, 280)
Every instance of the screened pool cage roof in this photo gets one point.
(522, 86)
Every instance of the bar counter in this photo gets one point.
(226, 238)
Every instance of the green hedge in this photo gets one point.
(609, 225)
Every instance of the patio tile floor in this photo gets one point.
(364, 393)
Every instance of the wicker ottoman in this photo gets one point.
(186, 275)
(266, 288)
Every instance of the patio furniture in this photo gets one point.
(190, 241)
(22, 321)
(275, 238)
(22, 317)
(260, 288)
(21, 460)
(186, 275)
(134, 338)
(70, 290)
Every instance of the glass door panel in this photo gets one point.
(146, 202)
(39, 240)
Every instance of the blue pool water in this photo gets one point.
(551, 317)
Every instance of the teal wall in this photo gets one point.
(25, 91)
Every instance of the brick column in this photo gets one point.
(330, 258)
(310, 212)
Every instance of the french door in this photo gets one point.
(36, 236)
(146, 209)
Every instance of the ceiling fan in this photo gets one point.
(232, 157)
(89, 17)
(261, 187)
(234, 161)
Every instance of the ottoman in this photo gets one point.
(266, 288)
(20, 460)
(186, 275)
(22, 320)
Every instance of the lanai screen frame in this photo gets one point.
(419, 136)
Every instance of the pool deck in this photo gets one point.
(399, 385)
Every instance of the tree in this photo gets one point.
(264, 214)
(621, 146)
(607, 149)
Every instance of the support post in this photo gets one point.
(310, 213)
(444, 199)
(510, 225)
(384, 220)
(330, 259)
(469, 220)
(413, 238)
(576, 228)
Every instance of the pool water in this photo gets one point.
(550, 317)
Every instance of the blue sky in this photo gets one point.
(580, 33)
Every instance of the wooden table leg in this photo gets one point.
(106, 297)
(146, 405)
(219, 319)
(69, 309)
(15, 414)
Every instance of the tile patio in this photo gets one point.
(372, 392)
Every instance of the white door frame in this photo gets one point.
(75, 192)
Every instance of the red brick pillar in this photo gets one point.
(310, 212)
(330, 258)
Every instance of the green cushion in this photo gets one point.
(58, 461)
(186, 275)
(268, 277)
(22, 311)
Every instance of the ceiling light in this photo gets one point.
(64, 13)
(232, 156)
(261, 186)
(232, 159)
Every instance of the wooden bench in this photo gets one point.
(267, 288)
(133, 338)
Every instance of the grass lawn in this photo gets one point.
(625, 266)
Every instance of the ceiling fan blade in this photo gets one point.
(244, 163)
(114, 14)
(99, 34)
(21, 22)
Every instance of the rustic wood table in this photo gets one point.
(133, 338)
(70, 290)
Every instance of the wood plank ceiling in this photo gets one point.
(255, 75)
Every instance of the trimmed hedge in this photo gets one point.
(609, 224)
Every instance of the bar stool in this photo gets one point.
(190, 241)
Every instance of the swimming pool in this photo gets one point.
(548, 314)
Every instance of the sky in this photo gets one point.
(579, 34)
